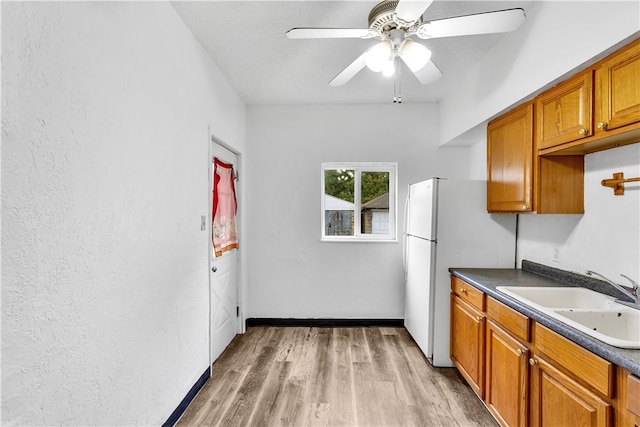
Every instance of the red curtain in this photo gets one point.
(225, 207)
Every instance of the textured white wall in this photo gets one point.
(606, 238)
(556, 37)
(292, 273)
(104, 178)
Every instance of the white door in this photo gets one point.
(421, 220)
(418, 316)
(223, 278)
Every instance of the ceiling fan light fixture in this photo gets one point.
(378, 56)
(414, 55)
(389, 68)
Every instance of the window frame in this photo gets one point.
(359, 167)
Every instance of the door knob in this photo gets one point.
(214, 268)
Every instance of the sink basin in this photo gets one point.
(593, 313)
(620, 328)
(560, 297)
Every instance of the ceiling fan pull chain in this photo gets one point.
(397, 87)
(399, 66)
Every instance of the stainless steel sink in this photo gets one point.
(593, 313)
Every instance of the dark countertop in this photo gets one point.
(487, 279)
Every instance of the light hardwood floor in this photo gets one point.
(288, 376)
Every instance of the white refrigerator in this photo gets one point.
(447, 225)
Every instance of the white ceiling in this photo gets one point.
(248, 43)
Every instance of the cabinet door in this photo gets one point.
(509, 161)
(467, 343)
(618, 87)
(507, 377)
(557, 400)
(564, 112)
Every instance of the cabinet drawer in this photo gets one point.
(517, 324)
(585, 365)
(633, 395)
(467, 293)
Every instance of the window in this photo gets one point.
(358, 202)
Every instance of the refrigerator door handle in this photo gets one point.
(406, 214)
(404, 235)
(404, 253)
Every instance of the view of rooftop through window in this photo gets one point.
(356, 201)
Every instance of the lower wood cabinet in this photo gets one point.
(528, 375)
(629, 398)
(558, 400)
(467, 343)
(507, 378)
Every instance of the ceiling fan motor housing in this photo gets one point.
(381, 17)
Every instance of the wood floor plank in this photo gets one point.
(274, 376)
(365, 393)
(359, 347)
(379, 354)
(323, 372)
(270, 405)
(291, 407)
(342, 410)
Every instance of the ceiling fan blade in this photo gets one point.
(501, 21)
(428, 74)
(352, 69)
(409, 11)
(330, 33)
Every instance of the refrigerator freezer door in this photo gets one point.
(418, 317)
(421, 220)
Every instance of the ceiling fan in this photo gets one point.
(394, 23)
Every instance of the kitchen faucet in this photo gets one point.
(631, 292)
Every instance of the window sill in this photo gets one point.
(358, 240)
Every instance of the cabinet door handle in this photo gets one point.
(478, 319)
(584, 131)
(602, 125)
(533, 361)
(519, 352)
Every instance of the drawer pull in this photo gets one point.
(463, 290)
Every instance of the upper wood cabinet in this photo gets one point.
(610, 89)
(535, 152)
(618, 90)
(564, 112)
(510, 161)
(518, 180)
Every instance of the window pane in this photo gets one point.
(375, 203)
(339, 189)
